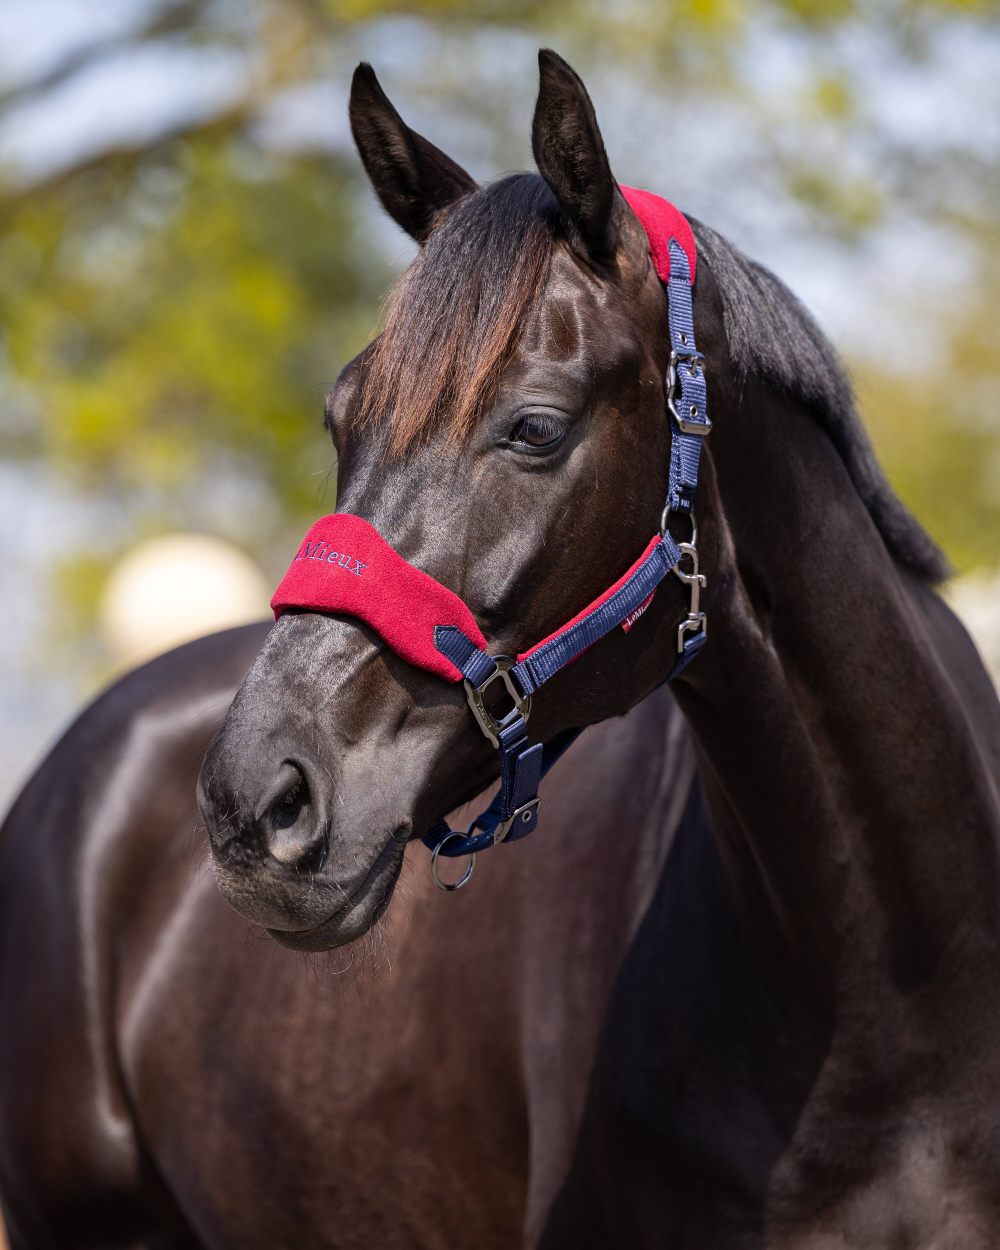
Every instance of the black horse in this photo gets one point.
(756, 1009)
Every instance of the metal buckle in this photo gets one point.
(685, 353)
(696, 619)
(687, 425)
(500, 834)
(487, 722)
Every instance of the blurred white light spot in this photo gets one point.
(169, 590)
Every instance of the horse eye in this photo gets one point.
(537, 432)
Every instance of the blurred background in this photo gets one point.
(189, 253)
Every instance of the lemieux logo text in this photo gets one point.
(633, 616)
(321, 551)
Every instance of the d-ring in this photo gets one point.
(449, 886)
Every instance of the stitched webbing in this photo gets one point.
(539, 665)
(692, 404)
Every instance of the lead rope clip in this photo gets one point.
(696, 620)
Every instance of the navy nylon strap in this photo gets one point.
(474, 664)
(540, 665)
(520, 773)
(689, 413)
(487, 822)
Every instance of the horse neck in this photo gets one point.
(851, 799)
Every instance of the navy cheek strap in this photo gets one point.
(514, 809)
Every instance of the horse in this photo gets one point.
(737, 990)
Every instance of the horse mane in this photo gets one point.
(455, 316)
(770, 334)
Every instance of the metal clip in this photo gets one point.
(488, 723)
(693, 625)
(696, 620)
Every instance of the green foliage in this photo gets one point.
(937, 430)
(190, 314)
(951, 482)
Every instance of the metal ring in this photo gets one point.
(450, 886)
(668, 512)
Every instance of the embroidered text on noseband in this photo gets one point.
(320, 551)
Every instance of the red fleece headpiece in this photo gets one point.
(662, 221)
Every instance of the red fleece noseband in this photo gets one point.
(346, 566)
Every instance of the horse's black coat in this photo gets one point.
(777, 1029)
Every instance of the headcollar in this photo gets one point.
(345, 566)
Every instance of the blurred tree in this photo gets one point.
(938, 430)
(185, 316)
(172, 309)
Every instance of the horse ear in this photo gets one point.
(413, 179)
(570, 156)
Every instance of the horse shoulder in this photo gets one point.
(105, 816)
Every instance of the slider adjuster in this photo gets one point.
(488, 723)
(523, 815)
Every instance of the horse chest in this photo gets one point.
(726, 1113)
(926, 1195)
(718, 1169)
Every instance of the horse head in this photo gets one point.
(507, 434)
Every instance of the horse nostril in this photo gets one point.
(287, 808)
(292, 831)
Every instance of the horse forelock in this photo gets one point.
(455, 316)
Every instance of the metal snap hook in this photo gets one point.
(450, 886)
(696, 620)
